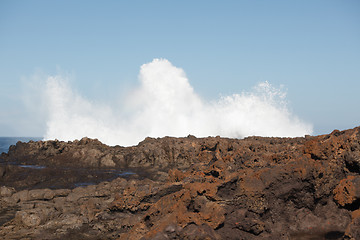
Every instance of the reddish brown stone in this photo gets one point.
(187, 188)
(348, 191)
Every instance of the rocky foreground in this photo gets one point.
(183, 188)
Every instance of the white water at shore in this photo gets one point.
(165, 104)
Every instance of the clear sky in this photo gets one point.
(312, 48)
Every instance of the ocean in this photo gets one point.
(6, 142)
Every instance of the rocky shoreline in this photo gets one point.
(183, 188)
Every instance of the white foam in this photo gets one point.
(165, 104)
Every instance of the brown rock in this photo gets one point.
(6, 191)
(348, 191)
(187, 188)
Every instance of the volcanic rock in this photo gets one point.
(184, 188)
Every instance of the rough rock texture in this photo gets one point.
(187, 188)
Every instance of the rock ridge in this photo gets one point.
(188, 188)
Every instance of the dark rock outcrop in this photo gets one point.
(188, 188)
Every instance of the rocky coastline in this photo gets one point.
(183, 188)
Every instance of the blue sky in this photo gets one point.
(225, 47)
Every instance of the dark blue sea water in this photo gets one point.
(6, 142)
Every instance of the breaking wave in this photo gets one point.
(165, 104)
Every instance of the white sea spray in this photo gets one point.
(165, 104)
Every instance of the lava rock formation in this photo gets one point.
(184, 188)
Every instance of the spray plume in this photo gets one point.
(165, 104)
